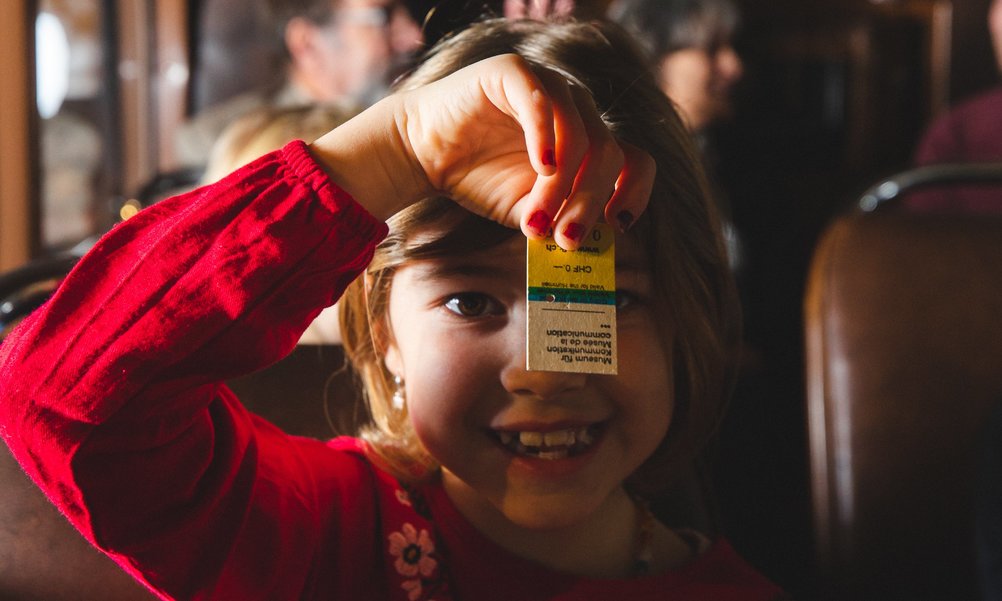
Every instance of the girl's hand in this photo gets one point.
(521, 147)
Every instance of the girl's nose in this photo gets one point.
(518, 380)
(542, 384)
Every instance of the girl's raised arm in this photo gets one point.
(517, 145)
(111, 395)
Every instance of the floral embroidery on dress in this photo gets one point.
(413, 588)
(413, 550)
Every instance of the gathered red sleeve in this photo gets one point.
(111, 395)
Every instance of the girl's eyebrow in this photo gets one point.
(632, 262)
(470, 267)
(631, 265)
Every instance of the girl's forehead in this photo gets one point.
(507, 252)
(512, 251)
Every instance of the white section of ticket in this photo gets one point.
(571, 300)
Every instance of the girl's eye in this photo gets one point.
(625, 300)
(473, 304)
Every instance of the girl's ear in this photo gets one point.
(382, 335)
(386, 345)
(393, 361)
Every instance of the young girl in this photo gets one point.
(479, 479)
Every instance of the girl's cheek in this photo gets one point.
(442, 386)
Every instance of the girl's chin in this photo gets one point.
(551, 512)
(529, 503)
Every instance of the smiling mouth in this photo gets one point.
(556, 444)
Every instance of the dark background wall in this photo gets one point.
(835, 98)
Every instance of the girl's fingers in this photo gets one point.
(523, 95)
(595, 179)
(581, 171)
(633, 188)
(561, 161)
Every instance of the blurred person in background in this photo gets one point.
(971, 132)
(269, 128)
(339, 52)
(690, 45)
(690, 42)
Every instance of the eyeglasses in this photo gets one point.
(368, 16)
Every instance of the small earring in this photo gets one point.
(398, 399)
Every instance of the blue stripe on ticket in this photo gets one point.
(566, 295)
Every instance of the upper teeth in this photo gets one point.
(554, 438)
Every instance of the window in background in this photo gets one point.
(75, 104)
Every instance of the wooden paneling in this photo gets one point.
(172, 74)
(154, 75)
(18, 223)
(134, 58)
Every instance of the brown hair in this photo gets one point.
(679, 232)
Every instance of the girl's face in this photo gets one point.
(458, 341)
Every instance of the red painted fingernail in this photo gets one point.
(549, 158)
(574, 231)
(625, 219)
(540, 222)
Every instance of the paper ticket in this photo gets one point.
(571, 300)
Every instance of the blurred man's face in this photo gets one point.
(360, 45)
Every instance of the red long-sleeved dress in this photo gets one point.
(111, 397)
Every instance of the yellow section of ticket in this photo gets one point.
(571, 305)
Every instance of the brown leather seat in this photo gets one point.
(904, 364)
(42, 558)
